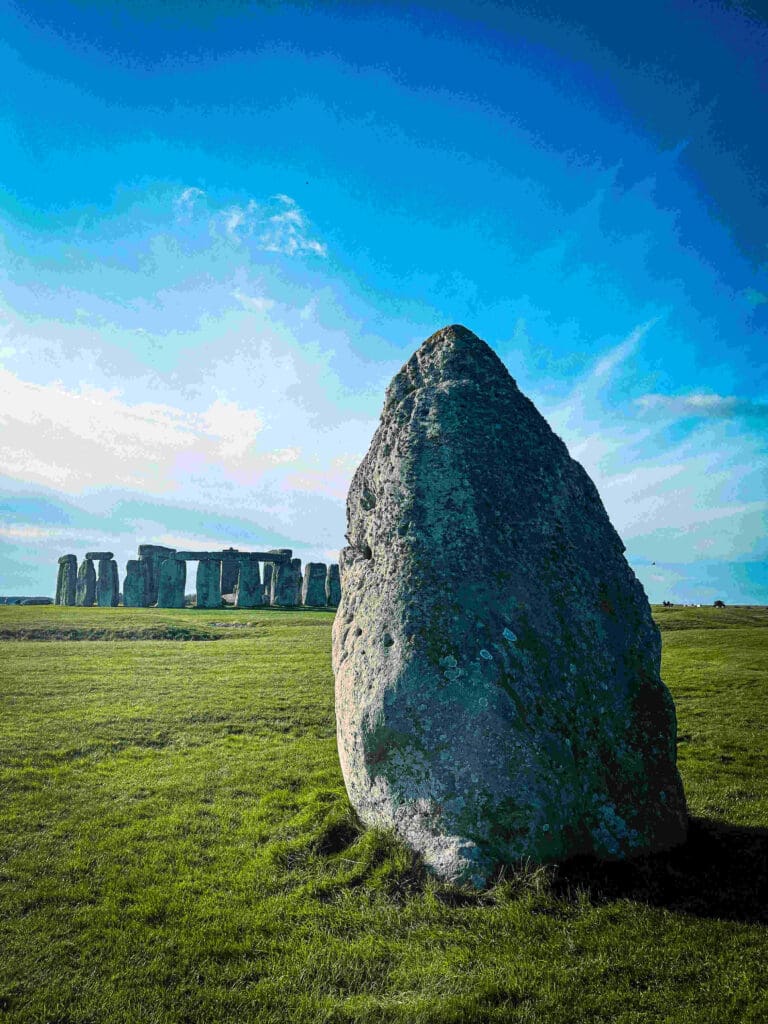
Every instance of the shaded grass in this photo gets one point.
(177, 846)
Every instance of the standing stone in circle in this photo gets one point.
(105, 584)
(313, 585)
(249, 591)
(154, 555)
(115, 584)
(170, 584)
(208, 583)
(297, 579)
(86, 584)
(135, 584)
(520, 713)
(268, 569)
(332, 586)
(66, 581)
(229, 570)
(285, 580)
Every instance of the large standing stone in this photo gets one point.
(66, 581)
(520, 713)
(86, 584)
(268, 569)
(154, 555)
(286, 583)
(170, 585)
(106, 584)
(115, 584)
(209, 583)
(332, 585)
(249, 591)
(230, 567)
(313, 585)
(135, 584)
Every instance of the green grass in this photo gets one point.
(177, 845)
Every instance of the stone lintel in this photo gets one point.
(96, 556)
(244, 556)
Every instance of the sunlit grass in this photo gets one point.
(177, 845)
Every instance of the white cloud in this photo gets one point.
(186, 200)
(701, 404)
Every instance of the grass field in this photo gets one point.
(177, 845)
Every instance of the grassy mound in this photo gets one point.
(177, 846)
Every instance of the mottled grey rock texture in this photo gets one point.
(154, 555)
(268, 570)
(170, 584)
(97, 556)
(313, 585)
(249, 592)
(135, 583)
(66, 580)
(332, 585)
(105, 584)
(517, 713)
(86, 584)
(208, 584)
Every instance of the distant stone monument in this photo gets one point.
(171, 581)
(313, 585)
(332, 585)
(66, 581)
(209, 575)
(517, 713)
(286, 581)
(106, 582)
(154, 555)
(135, 585)
(267, 583)
(86, 584)
(249, 591)
(230, 567)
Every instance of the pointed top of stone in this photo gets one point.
(453, 353)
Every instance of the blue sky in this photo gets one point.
(224, 227)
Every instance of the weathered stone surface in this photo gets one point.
(286, 583)
(332, 585)
(85, 595)
(249, 592)
(135, 584)
(66, 581)
(230, 567)
(97, 556)
(154, 555)
(115, 584)
(269, 568)
(208, 584)
(520, 713)
(105, 584)
(313, 585)
(170, 584)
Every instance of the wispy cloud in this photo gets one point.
(277, 224)
(701, 404)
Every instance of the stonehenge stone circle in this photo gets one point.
(135, 584)
(105, 584)
(229, 570)
(286, 580)
(332, 586)
(249, 591)
(209, 574)
(115, 584)
(313, 585)
(518, 713)
(267, 584)
(154, 555)
(86, 584)
(170, 584)
(66, 581)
